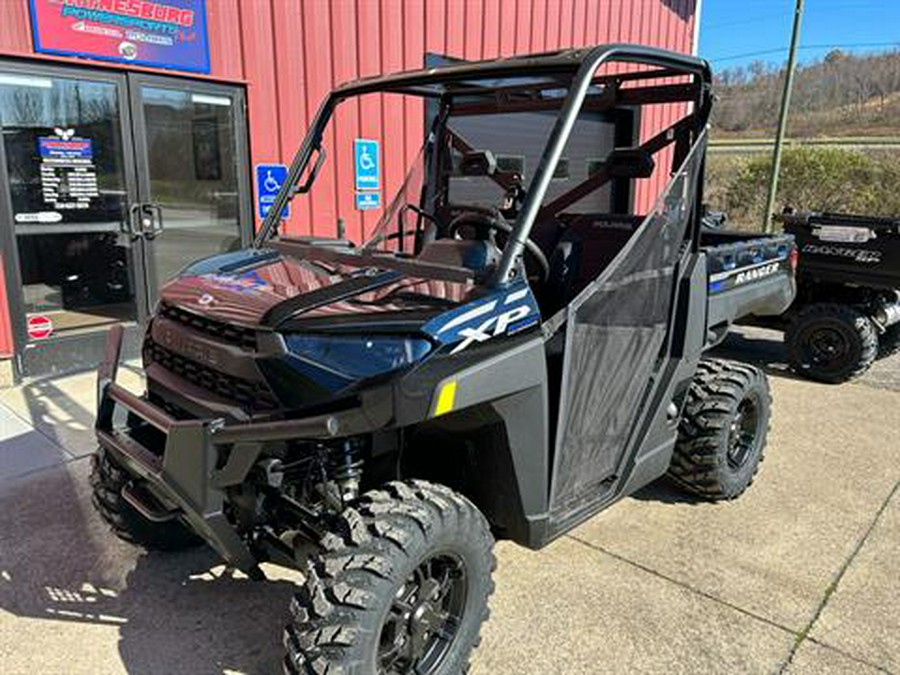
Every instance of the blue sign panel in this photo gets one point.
(366, 201)
(65, 148)
(269, 178)
(158, 33)
(368, 172)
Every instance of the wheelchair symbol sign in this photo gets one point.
(269, 178)
(368, 173)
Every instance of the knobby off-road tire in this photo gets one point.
(107, 480)
(889, 342)
(722, 432)
(831, 343)
(399, 562)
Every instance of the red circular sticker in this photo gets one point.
(39, 327)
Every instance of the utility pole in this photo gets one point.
(783, 116)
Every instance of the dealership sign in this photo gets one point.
(160, 33)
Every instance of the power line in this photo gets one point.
(828, 45)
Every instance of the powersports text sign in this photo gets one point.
(160, 33)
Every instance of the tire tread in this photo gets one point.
(344, 584)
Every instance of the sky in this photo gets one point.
(735, 32)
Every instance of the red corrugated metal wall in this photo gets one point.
(291, 52)
(315, 45)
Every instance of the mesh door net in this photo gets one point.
(616, 330)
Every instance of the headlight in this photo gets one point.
(357, 356)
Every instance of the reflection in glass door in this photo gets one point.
(65, 162)
(110, 184)
(191, 170)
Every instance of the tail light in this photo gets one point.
(794, 258)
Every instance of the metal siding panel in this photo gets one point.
(435, 27)
(579, 22)
(566, 25)
(15, 27)
(589, 29)
(223, 18)
(413, 57)
(287, 19)
(551, 25)
(508, 26)
(456, 19)
(523, 27)
(538, 26)
(473, 43)
(392, 146)
(262, 95)
(493, 28)
(368, 14)
(346, 121)
(317, 46)
(612, 30)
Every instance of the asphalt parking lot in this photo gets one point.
(801, 575)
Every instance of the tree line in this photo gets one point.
(842, 94)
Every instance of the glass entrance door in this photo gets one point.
(68, 171)
(191, 170)
(110, 183)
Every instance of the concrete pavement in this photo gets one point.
(800, 575)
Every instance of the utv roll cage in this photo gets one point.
(576, 70)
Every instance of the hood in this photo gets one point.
(261, 287)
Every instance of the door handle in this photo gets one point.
(145, 221)
(132, 224)
(152, 220)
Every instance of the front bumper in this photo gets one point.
(197, 459)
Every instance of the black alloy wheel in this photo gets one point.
(424, 618)
(722, 431)
(400, 587)
(743, 434)
(831, 343)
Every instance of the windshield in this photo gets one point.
(489, 176)
(390, 167)
(397, 228)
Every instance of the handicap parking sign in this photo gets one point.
(367, 201)
(269, 179)
(368, 172)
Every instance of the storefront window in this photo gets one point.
(193, 175)
(63, 146)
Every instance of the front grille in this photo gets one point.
(245, 338)
(249, 395)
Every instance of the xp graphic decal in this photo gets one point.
(504, 313)
(161, 33)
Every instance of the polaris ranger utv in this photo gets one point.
(847, 311)
(506, 356)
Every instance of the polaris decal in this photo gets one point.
(721, 281)
(504, 313)
(247, 282)
(860, 255)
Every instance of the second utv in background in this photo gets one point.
(847, 311)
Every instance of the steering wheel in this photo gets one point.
(490, 218)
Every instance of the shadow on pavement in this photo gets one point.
(175, 613)
(762, 347)
(666, 491)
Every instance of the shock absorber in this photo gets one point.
(347, 468)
